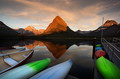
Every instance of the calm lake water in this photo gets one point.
(80, 53)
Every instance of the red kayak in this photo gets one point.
(100, 53)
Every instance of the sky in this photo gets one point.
(78, 14)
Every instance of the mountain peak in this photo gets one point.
(57, 25)
(30, 28)
(58, 17)
(60, 21)
(109, 23)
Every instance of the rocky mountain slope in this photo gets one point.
(6, 31)
(57, 25)
(59, 28)
(109, 28)
(30, 31)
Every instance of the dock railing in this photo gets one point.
(112, 51)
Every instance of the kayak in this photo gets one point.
(98, 48)
(26, 71)
(6, 48)
(11, 51)
(56, 72)
(11, 60)
(98, 45)
(100, 53)
(107, 69)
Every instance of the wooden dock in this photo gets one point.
(113, 51)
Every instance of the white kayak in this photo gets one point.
(56, 72)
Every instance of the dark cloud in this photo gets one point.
(75, 4)
(82, 14)
(111, 6)
(12, 4)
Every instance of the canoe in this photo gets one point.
(10, 61)
(56, 72)
(107, 69)
(6, 48)
(98, 48)
(100, 53)
(12, 51)
(98, 45)
(26, 71)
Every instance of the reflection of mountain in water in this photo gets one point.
(56, 49)
(30, 44)
(34, 44)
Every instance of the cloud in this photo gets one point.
(78, 14)
(36, 25)
(36, 8)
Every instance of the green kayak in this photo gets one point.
(107, 69)
(98, 45)
(26, 71)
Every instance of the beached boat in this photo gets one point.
(56, 72)
(6, 48)
(107, 69)
(10, 51)
(11, 60)
(26, 71)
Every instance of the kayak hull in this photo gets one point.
(107, 69)
(98, 45)
(100, 53)
(26, 71)
(98, 48)
(56, 72)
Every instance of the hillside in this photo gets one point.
(108, 29)
(7, 31)
(29, 31)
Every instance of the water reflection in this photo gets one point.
(34, 44)
(79, 51)
(30, 44)
(56, 49)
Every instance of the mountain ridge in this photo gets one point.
(59, 28)
(57, 25)
(109, 23)
(30, 31)
(109, 28)
(6, 31)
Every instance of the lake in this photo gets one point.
(80, 52)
